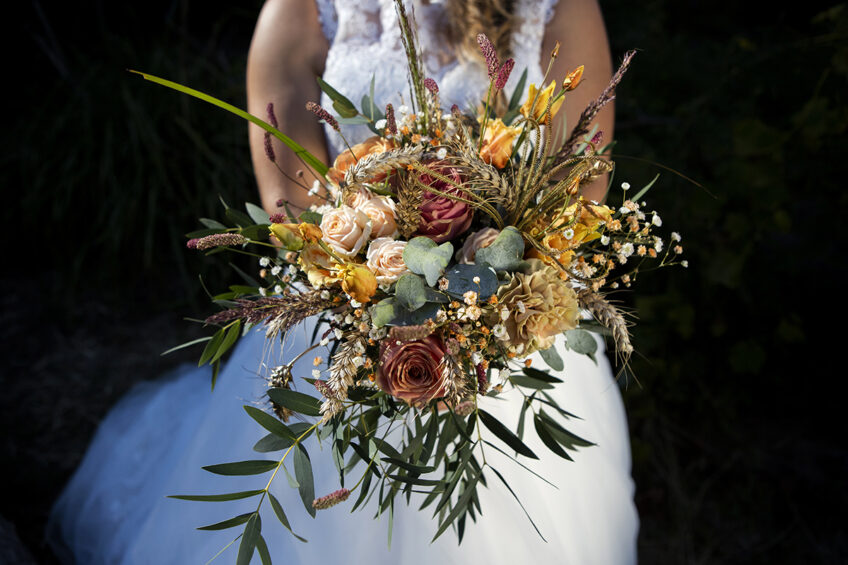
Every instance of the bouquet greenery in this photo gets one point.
(446, 250)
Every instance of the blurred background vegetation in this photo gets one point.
(738, 449)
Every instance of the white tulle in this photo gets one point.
(155, 441)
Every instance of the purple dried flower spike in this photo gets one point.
(192, 243)
(272, 118)
(431, 85)
(391, 124)
(269, 148)
(278, 218)
(596, 139)
(482, 381)
(322, 114)
(489, 53)
(280, 202)
(503, 74)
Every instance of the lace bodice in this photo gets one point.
(365, 41)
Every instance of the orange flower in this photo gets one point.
(538, 109)
(572, 79)
(497, 143)
(358, 282)
(288, 235)
(371, 145)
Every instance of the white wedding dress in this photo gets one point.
(154, 442)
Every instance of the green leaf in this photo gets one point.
(384, 312)
(506, 253)
(548, 439)
(354, 121)
(644, 190)
(409, 466)
(296, 401)
(213, 224)
(518, 92)
(417, 481)
(229, 339)
(231, 523)
(529, 382)
(211, 347)
(459, 507)
(505, 435)
(411, 292)
(512, 492)
(307, 157)
(540, 375)
(257, 214)
(216, 368)
(187, 344)
(262, 548)
(217, 497)
(423, 257)
(552, 358)
(239, 218)
(281, 515)
(271, 443)
(303, 474)
(311, 217)
(461, 280)
(388, 312)
(341, 104)
(249, 539)
(252, 467)
(270, 423)
(581, 341)
(563, 436)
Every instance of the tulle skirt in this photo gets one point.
(154, 442)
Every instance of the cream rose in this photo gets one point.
(540, 306)
(476, 241)
(385, 259)
(359, 198)
(381, 210)
(346, 230)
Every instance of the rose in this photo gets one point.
(540, 305)
(345, 230)
(411, 370)
(372, 145)
(381, 210)
(443, 218)
(474, 242)
(359, 198)
(385, 259)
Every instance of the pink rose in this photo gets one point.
(381, 210)
(442, 218)
(412, 370)
(385, 259)
(474, 242)
(346, 230)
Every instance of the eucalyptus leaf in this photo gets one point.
(505, 253)
(303, 474)
(540, 375)
(271, 443)
(529, 382)
(552, 358)
(213, 224)
(257, 214)
(581, 341)
(281, 515)
(239, 218)
(341, 103)
(423, 257)
(262, 548)
(411, 292)
(270, 423)
(547, 438)
(248, 540)
(231, 523)
(459, 507)
(563, 436)
(354, 121)
(461, 279)
(509, 438)
(311, 217)
(515, 496)
(252, 467)
(296, 401)
(230, 338)
(217, 497)
(211, 347)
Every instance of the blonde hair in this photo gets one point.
(467, 18)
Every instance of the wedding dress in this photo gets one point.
(154, 442)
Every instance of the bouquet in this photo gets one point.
(447, 249)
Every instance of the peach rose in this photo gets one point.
(412, 370)
(346, 230)
(374, 144)
(385, 259)
(359, 198)
(381, 210)
(443, 218)
(474, 242)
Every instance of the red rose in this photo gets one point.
(411, 370)
(442, 218)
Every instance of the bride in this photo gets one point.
(155, 441)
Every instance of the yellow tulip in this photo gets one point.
(572, 79)
(497, 143)
(288, 235)
(541, 97)
(358, 282)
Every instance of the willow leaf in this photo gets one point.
(505, 435)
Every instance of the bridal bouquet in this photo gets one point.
(447, 249)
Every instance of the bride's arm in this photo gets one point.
(287, 52)
(579, 27)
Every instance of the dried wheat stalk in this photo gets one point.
(609, 316)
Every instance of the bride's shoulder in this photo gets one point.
(288, 30)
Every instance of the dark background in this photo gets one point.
(736, 427)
